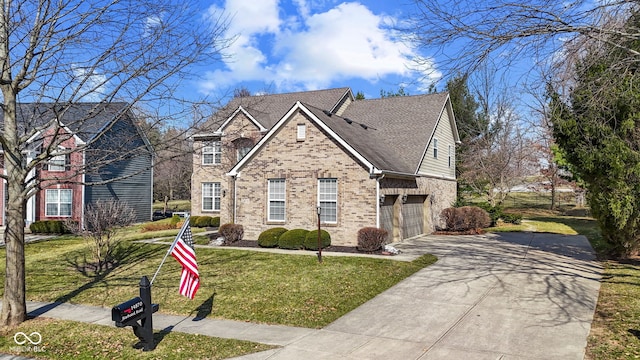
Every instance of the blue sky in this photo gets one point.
(295, 45)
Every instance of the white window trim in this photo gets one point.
(213, 148)
(333, 201)
(301, 132)
(213, 196)
(269, 200)
(58, 203)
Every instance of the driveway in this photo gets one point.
(494, 296)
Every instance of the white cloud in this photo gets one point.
(310, 51)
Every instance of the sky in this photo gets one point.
(296, 45)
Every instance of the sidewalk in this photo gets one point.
(495, 296)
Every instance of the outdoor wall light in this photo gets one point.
(381, 198)
(404, 198)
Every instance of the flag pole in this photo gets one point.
(182, 229)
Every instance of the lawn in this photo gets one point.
(235, 284)
(74, 340)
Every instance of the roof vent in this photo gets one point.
(364, 126)
(349, 121)
(327, 112)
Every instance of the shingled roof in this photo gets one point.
(85, 120)
(404, 126)
(268, 109)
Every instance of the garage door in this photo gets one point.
(386, 215)
(413, 216)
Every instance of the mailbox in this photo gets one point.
(128, 312)
(139, 308)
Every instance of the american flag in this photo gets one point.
(185, 254)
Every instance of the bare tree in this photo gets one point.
(472, 32)
(103, 220)
(498, 157)
(66, 52)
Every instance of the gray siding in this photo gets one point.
(444, 165)
(127, 171)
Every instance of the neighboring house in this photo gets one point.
(270, 161)
(99, 153)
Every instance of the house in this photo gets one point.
(94, 152)
(273, 160)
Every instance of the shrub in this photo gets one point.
(231, 233)
(512, 218)
(193, 220)
(371, 239)
(203, 221)
(465, 218)
(215, 222)
(311, 240)
(448, 216)
(38, 227)
(175, 219)
(495, 212)
(293, 239)
(154, 226)
(269, 238)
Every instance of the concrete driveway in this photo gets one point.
(495, 296)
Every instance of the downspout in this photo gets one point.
(235, 197)
(378, 200)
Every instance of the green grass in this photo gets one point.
(73, 340)
(174, 205)
(235, 284)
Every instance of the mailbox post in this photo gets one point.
(139, 308)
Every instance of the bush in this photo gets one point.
(175, 219)
(215, 222)
(203, 221)
(293, 239)
(371, 239)
(49, 227)
(231, 233)
(311, 240)
(495, 212)
(512, 218)
(465, 218)
(269, 238)
(193, 220)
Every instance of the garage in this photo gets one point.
(413, 216)
(386, 215)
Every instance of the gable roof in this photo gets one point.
(84, 120)
(267, 110)
(407, 124)
(385, 135)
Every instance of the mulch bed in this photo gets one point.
(332, 248)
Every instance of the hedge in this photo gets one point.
(311, 240)
(293, 239)
(269, 238)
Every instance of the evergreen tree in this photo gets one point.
(598, 130)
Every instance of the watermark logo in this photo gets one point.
(21, 338)
(27, 343)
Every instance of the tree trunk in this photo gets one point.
(14, 309)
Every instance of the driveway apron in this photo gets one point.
(494, 296)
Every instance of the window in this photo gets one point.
(328, 200)
(58, 162)
(212, 153)
(450, 155)
(58, 202)
(302, 132)
(276, 196)
(211, 196)
(243, 151)
(435, 148)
